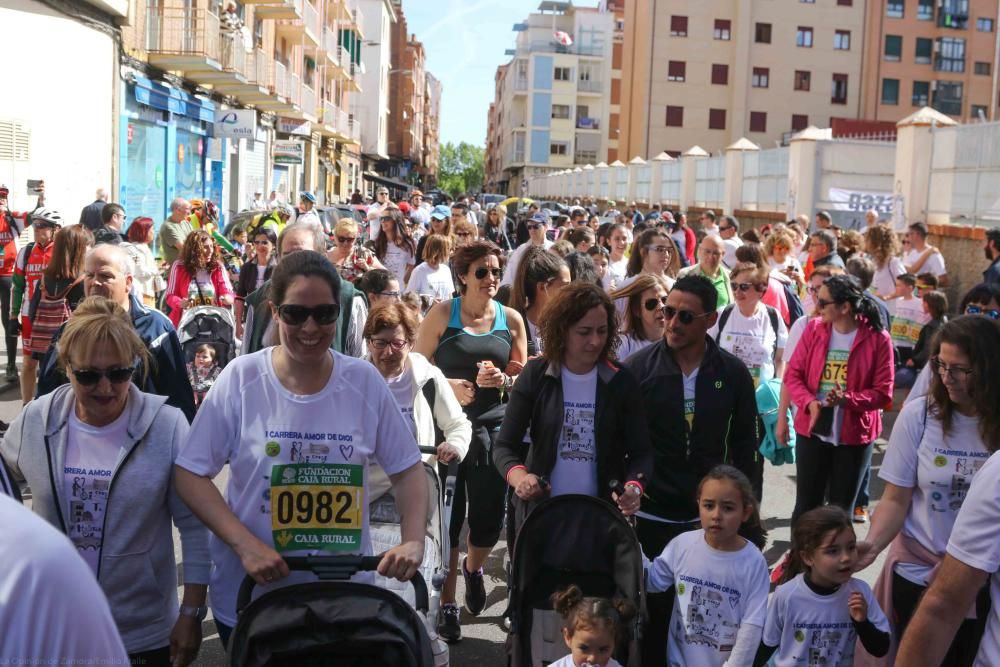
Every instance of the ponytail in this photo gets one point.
(847, 289)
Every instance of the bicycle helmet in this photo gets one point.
(48, 215)
(210, 210)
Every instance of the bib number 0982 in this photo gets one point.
(323, 507)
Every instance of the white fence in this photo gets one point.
(852, 177)
(765, 180)
(710, 182)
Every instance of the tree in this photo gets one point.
(461, 168)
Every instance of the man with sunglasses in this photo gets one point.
(701, 411)
(538, 226)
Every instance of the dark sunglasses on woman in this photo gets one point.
(295, 315)
(88, 377)
(653, 304)
(482, 272)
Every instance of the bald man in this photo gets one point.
(710, 254)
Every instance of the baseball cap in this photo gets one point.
(440, 212)
(539, 218)
(308, 196)
(404, 207)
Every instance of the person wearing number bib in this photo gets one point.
(298, 424)
(839, 377)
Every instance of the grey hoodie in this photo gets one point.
(137, 570)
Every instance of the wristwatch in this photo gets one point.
(194, 612)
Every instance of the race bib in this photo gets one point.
(834, 372)
(317, 506)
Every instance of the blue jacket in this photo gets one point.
(168, 369)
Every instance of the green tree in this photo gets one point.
(461, 168)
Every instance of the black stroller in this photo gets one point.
(331, 622)
(570, 539)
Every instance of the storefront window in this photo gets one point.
(190, 165)
(145, 187)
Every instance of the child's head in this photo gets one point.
(935, 304)
(727, 505)
(926, 282)
(824, 546)
(240, 235)
(591, 626)
(204, 355)
(905, 284)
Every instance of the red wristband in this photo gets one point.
(638, 485)
(512, 469)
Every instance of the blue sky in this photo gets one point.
(465, 42)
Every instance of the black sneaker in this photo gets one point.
(11, 374)
(450, 627)
(475, 590)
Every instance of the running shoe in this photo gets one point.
(475, 590)
(861, 515)
(11, 374)
(450, 627)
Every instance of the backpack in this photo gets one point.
(50, 314)
(795, 309)
(772, 316)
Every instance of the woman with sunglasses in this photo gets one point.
(350, 258)
(98, 455)
(496, 230)
(465, 233)
(257, 271)
(198, 277)
(642, 322)
(937, 446)
(540, 275)
(298, 424)
(653, 252)
(840, 378)
(440, 224)
(480, 346)
(394, 246)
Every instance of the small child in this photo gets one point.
(820, 609)
(591, 627)
(720, 577)
(908, 317)
(926, 282)
(936, 308)
(203, 371)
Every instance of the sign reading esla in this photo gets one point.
(289, 152)
(235, 123)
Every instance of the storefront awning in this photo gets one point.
(167, 98)
(388, 182)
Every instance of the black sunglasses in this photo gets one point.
(744, 287)
(346, 239)
(653, 304)
(535, 225)
(992, 313)
(685, 316)
(294, 314)
(91, 376)
(482, 272)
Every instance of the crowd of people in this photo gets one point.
(623, 355)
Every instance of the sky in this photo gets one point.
(464, 41)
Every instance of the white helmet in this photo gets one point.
(48, 215)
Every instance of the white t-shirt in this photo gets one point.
(939, 468)
(201, 289)
(934, 263)
(576, 461)
(282, 447)
(51, 607)
(617, 272)
(567, 661)
(884, 281)
(794, 336)
(813, 629)
(729, 258)
(752, 339)
(396, 260)
(834, 371)
(437, 282)
(975, 540)
(716, 592)
(510, 271)
(402, 391)
(261, 272)
(630, 344)
(907, 321)
(92, 452)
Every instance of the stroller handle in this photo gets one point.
(335, 568)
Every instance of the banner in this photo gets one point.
(859, 201)
(235, 124)
(289, 152)
(293, 126)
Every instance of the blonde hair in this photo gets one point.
(98, 321)
(437, 248)
(345, 225)
(782, 237)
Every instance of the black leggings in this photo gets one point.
(6, 284)
(156, 658)
(827, 471)
(480, 483)
(965, 645)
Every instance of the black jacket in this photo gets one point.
(724, 428)
(90, 216)
(536, 405)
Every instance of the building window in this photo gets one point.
(845, 3)
(762, 33)
(562, 74)
(720, 75)
(950, 55)
(716, 119)
(982, 69)
(890, 91)
(802, 79)
(799, 122)
(954, 14)
(893, 48)
(679, 26)
(839, 93)
(761, 77)
(948, 98)
(676, 70)
(675, 116)
(722, 29)
(924, 52)
(804, 37)
(921, 93)
(978, 111)
(925, 10)
(842, 40)
(984, 25)
(558, 148)
(894, 9)
(560, 111)
(758, 121)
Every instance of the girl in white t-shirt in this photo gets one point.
(433, 276)
(591, 627)
(719, 576)
(820, 610)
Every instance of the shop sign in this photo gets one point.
(235, 123)
(289, 152)
(293, 126)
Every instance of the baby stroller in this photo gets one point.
(208, 324)
(331, 622)
(571, 539)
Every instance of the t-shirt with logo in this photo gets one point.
(939, 468)
(716, 592)
(396, 260)
(834, 373)
(752, 340)
(813, 629)
(297, 463)
(908, 320)
(201, 289)
(31, 261)
(575, 470)
(92, 452)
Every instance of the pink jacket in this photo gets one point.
(180, 281)
(870, 375)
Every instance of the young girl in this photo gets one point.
(203, 371)
(720, 577)
(591, 627)
(820, 610)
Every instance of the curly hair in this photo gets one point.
(779, 237)
(567, 307)
(193, 255)
(882, 244)
(639, 251)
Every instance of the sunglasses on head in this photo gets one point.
(482, 272)
(295, 315)
(685, 316)
(653, 304)
(991, 313)
(91, 376)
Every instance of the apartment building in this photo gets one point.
(938, 53)
(707, 73)
(432, 129)
(551, 108)
(372, 109)
(407, 89)
(617, 8)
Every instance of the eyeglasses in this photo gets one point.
(992, 313)
(823, 303)
(482, 272)
(653, 304)
(685, 316)
(381, 343)
(91, 376)
(346, 239)
(295, 315)
(812, 290)
(744, 287)
(389, 295)
(665, 249)
(955, 373)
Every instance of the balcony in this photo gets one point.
(254, 89)
(354, 130)
(295, 89)
(517, 156)
(356, 18)
(279, 79)
(596, 87)
(289, 16)
(309, 101)
(521, 84)
(327, 118)
(584, 123)
(330, 46)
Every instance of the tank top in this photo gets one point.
(459, 351)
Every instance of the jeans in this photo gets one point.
(906, 376)
(827, 471)
(864, 491)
